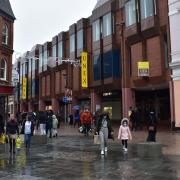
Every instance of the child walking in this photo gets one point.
(124, 133)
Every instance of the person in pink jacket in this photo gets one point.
(124, 133)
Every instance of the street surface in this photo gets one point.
(74, 156)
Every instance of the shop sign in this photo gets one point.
(24, 88)
(84, 70)
(143, 68)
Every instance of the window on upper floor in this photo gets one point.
(45, 60)
(41, 57)
(147, 8)
(72, 43)
(96, 30)
(130, 9)
(54, 53)
(3, 69)
(107, 25)
(80, 39)
(30, 65)
(60, 52)
(97, 67)
(5, 35)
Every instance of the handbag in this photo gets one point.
(151, 128)
(3, 139)
(97, 139)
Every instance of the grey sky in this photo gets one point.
(37, 21)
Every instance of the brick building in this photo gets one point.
(128, 57)
(6, 50)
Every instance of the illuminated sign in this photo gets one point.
(84, 70)
(143, 68)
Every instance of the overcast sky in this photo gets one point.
(37, 21)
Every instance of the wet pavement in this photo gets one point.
(73, 156)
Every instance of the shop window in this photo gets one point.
(96, 30)
(5, 35)
(3, 69)
(72, 43)
(130, 9)
(108, 110)
(80, 39)
(60, 52)
(107, 25)
(97, 67)
(147, 8)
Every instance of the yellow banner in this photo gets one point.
(143, 68)
(84, 70)
(24, 87)
(143, 65)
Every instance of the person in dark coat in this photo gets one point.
(49, 123)
(1, 125)
(104, 129)
(12, 130)
(152, 126)
(42, 122)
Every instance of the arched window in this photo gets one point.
(5, 35)
(3, 69)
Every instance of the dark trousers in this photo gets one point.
(77, 122)
(50, 132)
(151, 136)
(86, 129)
(124, 143)
(12, 144)
(27, 139)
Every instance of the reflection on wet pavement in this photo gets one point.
(76, 157)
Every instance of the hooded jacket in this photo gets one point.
(124, 131)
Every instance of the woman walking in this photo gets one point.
(103, 129)
(55, 126)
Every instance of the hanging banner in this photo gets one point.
(24, 88)
(84, 70)
(143, 68)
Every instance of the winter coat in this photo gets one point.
(42, 118)
(86, 118)
(55, 122)
(124, 131)
(12, 127)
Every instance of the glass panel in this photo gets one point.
(60, 51)
(45, 60)
(5, 35)
(96, 30)
(3, 64)
(107, 64)
(97, 67)
(147, 9)
(30, 65)
(72, 43)
(40, 62)
(107, 25)
(80, 39)
(130, 9)
(54, 54)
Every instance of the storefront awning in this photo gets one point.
(6, 90)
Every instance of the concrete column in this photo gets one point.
(128, 99)
(55, 105)
(42, 106)
(95, 101)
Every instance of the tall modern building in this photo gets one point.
(174, 20)
(6, 50)
(125, 62)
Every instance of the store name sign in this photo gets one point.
(24, 85)
(143, 68)
(84, 70)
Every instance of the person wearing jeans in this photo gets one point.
(103, 129)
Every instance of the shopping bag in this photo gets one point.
(97, 139)
(3, 139)
(81, 129)
(18, 142)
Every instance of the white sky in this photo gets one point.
(37, 21)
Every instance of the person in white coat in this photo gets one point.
(124, 133)
(55, 125)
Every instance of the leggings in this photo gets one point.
(124, 143)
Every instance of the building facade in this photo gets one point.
(127, 48)
(6, 50)
(174, 20)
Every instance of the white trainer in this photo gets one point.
(125, 149)
(102, 152)
(105, 149)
